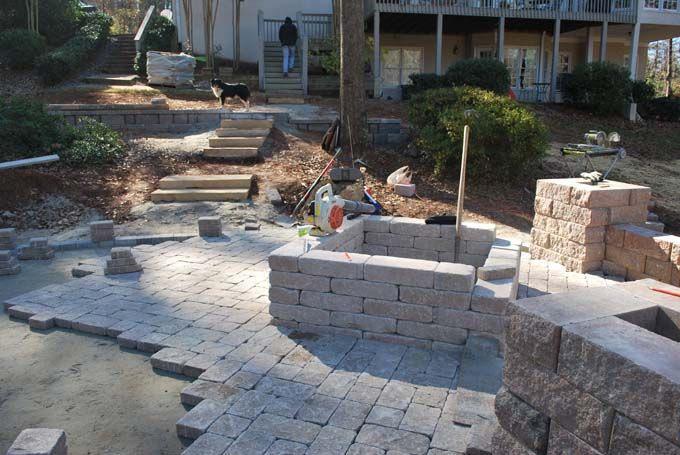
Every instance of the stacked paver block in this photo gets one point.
(8, 239)
(572, 217)
(8, 263)
(634, 252)
(39, 441)
(592, 372)
(374, 290)
(476, 240)
(210, 226)
(121, 261)
(37, 249)
(101, 231)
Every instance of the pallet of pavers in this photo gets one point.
(191, 188)
(238, 139)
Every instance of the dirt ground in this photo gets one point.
(108, 401)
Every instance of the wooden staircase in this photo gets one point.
(195, 188)
(121, 59)
(279, 89)
(238, 139)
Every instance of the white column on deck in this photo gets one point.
(541, 58)
(501, 39)
(376, 55)
(440, 31)
(590, 44)
(634, 44)
(603, 41)
(555, 61)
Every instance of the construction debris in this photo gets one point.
(121, 261)
(8, 239)
(405, 190)
(210, 226)
(101, 231)
(598, 144)
(8, 263)
(38, 249)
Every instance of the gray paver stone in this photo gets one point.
(200, 390)
(221, 371)
(284, 406)
(332, 441)
(251, 442)
(420, 419)
(350, 415)
(383, 416)
(208, 444)
(318, 409)
(229, 425)
(196, 422)
(197, 365)
(171, 359)
(449, 436)
(251, 404)
(39, 441)
(392, 439)
(282, 447)
(285, 428)
(363, 449)
(396, 395)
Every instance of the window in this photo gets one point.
(521, 64)
(484, 52)
(397, 64)
(564, 63)
(626, 61)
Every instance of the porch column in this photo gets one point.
(634, 44)
(555, 61)
(603, 41)
(541, 58)
(590, 43)
(377, 86)
(440, 31)
(500, 53)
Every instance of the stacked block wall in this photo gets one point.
(634, 253)
(572, 217)
(341, 284)
(592, 372)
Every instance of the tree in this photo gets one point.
(669, 69)
(32, 13)
(352, 93)
(237, 34)
(188, 24)
(210, 8)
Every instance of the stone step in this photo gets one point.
(238, 132)
(278, 73)
(219, 142)
(193, 195)
(233, 153)
(283, 80)
(112, 79)
(221, 182)
(285, 99)
(246, 123)
(282, 87)
(281, 92)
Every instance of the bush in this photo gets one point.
(93, 143)
(159, 37)
(642, 92)
(600, 87)
(427, 81)
(666, 109)
(506, 138)
(57, 19)
(26, 130)
(484, 73)
(65, 61)
(20, 47)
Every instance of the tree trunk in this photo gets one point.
(189, 25)
(237, 35)
(336, 19)
(669, 69)
(352, 94)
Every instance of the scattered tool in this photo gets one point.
(666, 291)
(327, 212)
(598, 144)
(303, 201)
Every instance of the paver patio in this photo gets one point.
(201, 307)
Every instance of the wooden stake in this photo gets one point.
(461, 188)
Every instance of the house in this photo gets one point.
(538, 40)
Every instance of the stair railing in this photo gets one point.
(303, 49)
(261, 38)
(140, 37)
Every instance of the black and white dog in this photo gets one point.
(223, 90)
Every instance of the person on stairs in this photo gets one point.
(288, 35)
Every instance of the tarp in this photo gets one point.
(165, 68)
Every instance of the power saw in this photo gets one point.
(327, 212)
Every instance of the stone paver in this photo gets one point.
(201, 308)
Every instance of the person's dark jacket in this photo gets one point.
(288, 34)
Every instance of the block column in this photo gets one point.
(440, 31)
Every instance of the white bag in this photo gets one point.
(401, 176)
(165, 68)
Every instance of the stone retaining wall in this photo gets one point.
(381, 131)
(572, 217)
(393, 280)
(592, 372)
(634, 252)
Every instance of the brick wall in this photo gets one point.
(572, 217)
(381, 131)
(591, 372)
(393, 280)
(635, 253)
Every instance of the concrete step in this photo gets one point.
(216, 182)
(112, 79)
(219, 142)
(275, 86)
(246, 124)
(193, 195)
(233, 153)
(280, 92)
(283, 80)
(238, 132)
(284, 99)
(278, 73)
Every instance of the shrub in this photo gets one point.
(20, 47)
(26, 130)
(506, 138)
(484, 73)
(159, 37)
(57, 19)
(666, 109)
(600, 87)
(642, 92)
(93, 142)
(66, 60)
(427, 81)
